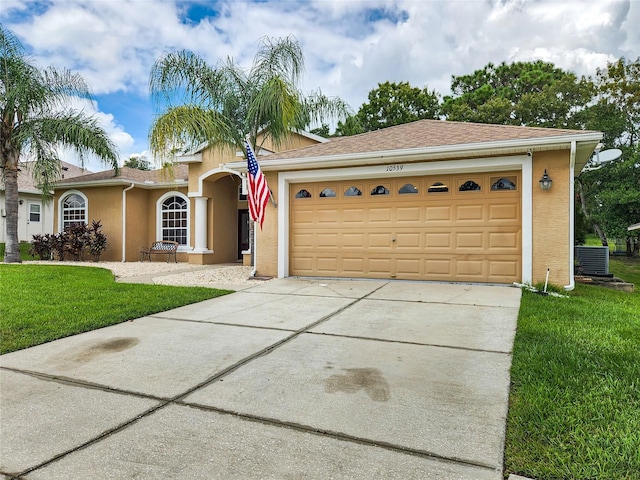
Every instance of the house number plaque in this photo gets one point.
(394, 168)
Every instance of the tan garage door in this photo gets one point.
(447, 227)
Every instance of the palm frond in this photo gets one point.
(184, 127)
(68, 129)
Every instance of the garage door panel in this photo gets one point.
(326, 239)
(465, 213)
(353, 216)
(350, 239)
(381, 266)
(380, 215)
(504, 240)
(407, 215)
(327, 265)
(352, 266)
(466, 240)
(452, 236)
(504, 269)
(438, 267)
(438, 240)
(509, 211)
(328, 216)
(438, 213)
(301, 240)
(408, 268)
(407, 240)
(379, 240)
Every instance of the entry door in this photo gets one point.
(243, 232)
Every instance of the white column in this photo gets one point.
(201, 226)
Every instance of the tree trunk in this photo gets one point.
(12, 247)
(596, 226)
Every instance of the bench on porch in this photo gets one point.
(163, 247)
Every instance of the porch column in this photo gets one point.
(201, 226)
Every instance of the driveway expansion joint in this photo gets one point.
(340, 436)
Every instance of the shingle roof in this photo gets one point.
(420, 134)
(25, 179)
(126, 174)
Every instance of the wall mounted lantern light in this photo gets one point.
(545, 181)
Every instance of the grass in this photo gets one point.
(24, 251)
(41, 303)
(575, 396)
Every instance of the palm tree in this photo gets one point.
(37, 119)
(221, 106)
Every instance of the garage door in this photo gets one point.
(447, 227)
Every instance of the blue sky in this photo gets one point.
(350, 45)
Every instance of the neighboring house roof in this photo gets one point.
(126, 176)
(441, 139)
(25, 179)
(635, 226)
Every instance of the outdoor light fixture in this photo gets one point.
(545, 181)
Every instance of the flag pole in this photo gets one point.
(255, 246)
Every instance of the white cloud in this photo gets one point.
(350, 46)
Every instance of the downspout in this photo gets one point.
(572, 240)
(124, 222)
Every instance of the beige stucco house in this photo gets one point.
(429, 200)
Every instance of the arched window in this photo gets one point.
(328, 192)
(469, 186)
(73, 209)
(380, 190)
(173, 218)
(352, 192)
(438, 187)
(408, 188)
(503, 184)
(303, 194)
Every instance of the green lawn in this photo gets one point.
(40, 303)
(24, 251)
(575, 394)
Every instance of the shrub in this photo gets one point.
(74, 240)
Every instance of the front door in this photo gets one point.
(243, 232)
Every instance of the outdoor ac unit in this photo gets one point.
(593, 260)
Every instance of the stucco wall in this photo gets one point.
(104, 204)
(267, 238)
(551, 218)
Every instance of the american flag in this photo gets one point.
(258, 195)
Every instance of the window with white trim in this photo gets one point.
(174, 218)
(34, 212)
(74, 210)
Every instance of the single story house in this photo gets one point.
(428, 200)
(34, 215)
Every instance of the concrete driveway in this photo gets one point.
(289, 379)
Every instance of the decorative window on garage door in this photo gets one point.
(438, 187)
(328, 192)
(408, 188)
(303, 194)
(352, 192)
(469, 186)
(380, 190)
(504, 183)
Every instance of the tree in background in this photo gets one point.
(219, 106)
(611, 195)
(394, 104)
(138, 162)
(534, 94)
(37, 119)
